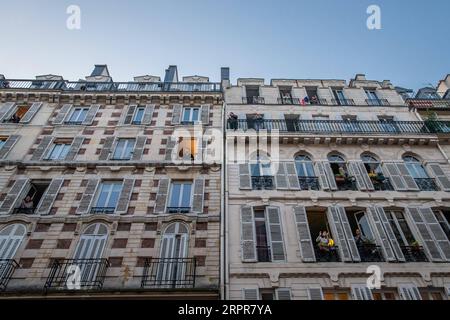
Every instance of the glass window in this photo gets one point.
(415, 168)
(363, 225)
(304, 165)
(400, 227)
(59, 151)
(191, 114)
(108, 194)
(78, 114)
(124, 149)
(2, 142)
(262, 241)
(138, 115)
(440, 216)
(180, 194)
(371, 95)
(371, 163)
(261, 167)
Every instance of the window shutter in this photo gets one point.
(201, 143)
(330, 175)
(281, 179)
(171, 142)
(276, 234)
(31, 112)
(337, 231)
(357, 170)
(348, 234)
(88, 196)
(5, 109)
(436, 231)
(176, 113)
(106, 150)
(395, 177)
(283, 294)
(315, 294)
(62, 114)
(361, 292)
(292, 176)
(409, 292)
(14, 195)
(148, 114)
(248, 241)
(139, 148)
(74, 148)
(440, 176)
(9, 144)
(380, 234)
(49, 196)
(91, 114)
(428, 241)
(250, 294)
(320, 171)
(204, 115)
(409, 180)
(41, 149)
(304, 234)
(161, 196)
(199, 190)
(128, 118)
(389, 233)
(125, 196)
(245, 180)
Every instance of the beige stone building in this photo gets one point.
(334, 190)
(97, 196)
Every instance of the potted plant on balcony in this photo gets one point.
(340, 178)
(415, 245)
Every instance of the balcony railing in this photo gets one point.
(103, 210)
(309, 183)
(342, 102)
(297, 101)
(382, 185)
(343, 126)
(329, 254)
(73, 123)
(7, 267)
(414, 254)
(253, 100)
(178, 209)
(426, 184)
(74, 274)
(288, 100)
(24, 210)
(63, 85)
(169, 273)
(429, 103)
(370, 253)
(263, 253)
(346, 183)
(263, 183)
(377, 102)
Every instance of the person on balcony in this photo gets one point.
(314, 100)
(14, 119)
(233, 121)
(360, 239)
(27, 205)
(258, 120)
(323, 241)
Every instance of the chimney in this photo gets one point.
(2, 77)
(171, 74)
(360, 77)
(225, 77)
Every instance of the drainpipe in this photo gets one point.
(223, 220)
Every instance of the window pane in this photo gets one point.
(103, 195)
(195, 114)
(2, 142)
(300, 169)
(255, 170)
(186, 196)
(82, 115)
(138, 115)
(64, 150)
(175, 195)
(118, 152)
(115, 193)
(75, 114)
(187, 114)
(128, 148)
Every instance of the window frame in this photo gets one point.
(65, 148)
(83, 110)
(128, 142)
(191, 112)
(183, 183)
(99, 192)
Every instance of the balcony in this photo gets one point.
(377, 102)
(426, 184)
(24, 210)
(178, 209)
(92, 274)
(382, 185)
(414, 254)
(370, 253)
(253, 100)
(169, 273)
(73, 123)
(432, 104)
(309, 183)
(102, 210)
(342, 102)
(330, 255)
(346, 183)
(263, 183)
(7, 267)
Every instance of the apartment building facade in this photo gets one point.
(105, 187)
(349, 159)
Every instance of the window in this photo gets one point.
(180, 197)
(32, 196)
(138, 115)
(191, 115)
(338, 165)
(17, 114)
(58, 151)
(78, 115)
(383, 295)
(187, 148)
(107, 196)
(304, 166)
(372, 98)
(443, 219)
(124, 149)
(10, 239)
(363, 225)
(2, 142)
(415, 168)
(339, 96)
(400, 227)
(311, 92)
(262, 241)
(372, 164)
(261, 167)
(335, 295)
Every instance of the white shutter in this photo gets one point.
(62, 114)
(281, 179)
(409, 180)
(361, 292)
(5, 109)
(88, 196)
(321, 174)
(381, 214)
(14, 195)
(441, 178)
(380, 234)
(107, 148)
(248, 235)
(338, 233)
(49, 196)
(10, 239)
(409, 292)
(74, 148)
(148, 114)
(9, 144)
(357, 170)
(283, 294)
(304, 235)
(273, 219)
(315, 293)
(292, 176)
(204, 114)
(436, 231)
(139, 146)
(41, 150)
(91, 114)
(176, 113)
(245, 180)
(250, 294)
(125, 196)
(161, 196)
(171, 143)
(348, 233)
(128, 118)
(198, 195)
(395, 178)
(31, 112)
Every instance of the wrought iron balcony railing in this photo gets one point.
(7, 267)
(73, 123)
(263, 183)
(414, 254)
(309, 183)
(104, 210)
(253, 100)
(377, 102)
(342, 102)
(74, 274)
(169, 273)
(382, 185)
(426, 184)
(326, 254)
(297, 101)
(178, 209)
(370, 253)
(429, 103)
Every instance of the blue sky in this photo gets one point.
(255, 38)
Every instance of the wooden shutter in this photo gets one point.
(320, 171)
(204, 114)
(361, 292)
(357, 170)
(330, 175)
(5, 109)
(128, 118)
(395, 177)
(31, 112)
(91, 114)
(199, 190)
(250, 294)
(338, 233)
(436, 231)
(409, 180)
(428, 241)
(171, 143)
(62, 114)
(139, 148)
(348, 234)
(88, 196)
(49, 196)
(248, 236)
(380, 234)
(77, 142)
(283, 294)
(281, 179)
(9, 144)
(304, 235)
(106, 150)
(292, 176)
(176, 113)
(315, 294)
(245, 180)
(409, 292)
(125, 196)
(41, 149)
(10, 239)
(148, 114)
(276, 234)
(14, 195)
(441, 178)
(161, 196)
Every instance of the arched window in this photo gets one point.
(174, 241)
(10, 239)
(415, 168)
(304, 166)
(338, 165)
(371, 163)
(92, 242)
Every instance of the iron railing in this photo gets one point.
(326, 254)
(414, 254)
(342, 102)
(309, 183)
(169, 273)
(263, 183)
(253, 100)
(382, 185)
(74, 274)
(429, 103)
(346, 183)
(370, 253)
(426, 184)
(178, 209)
(104, 210)
(377, 102)
(7, 267)
(73, 123)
